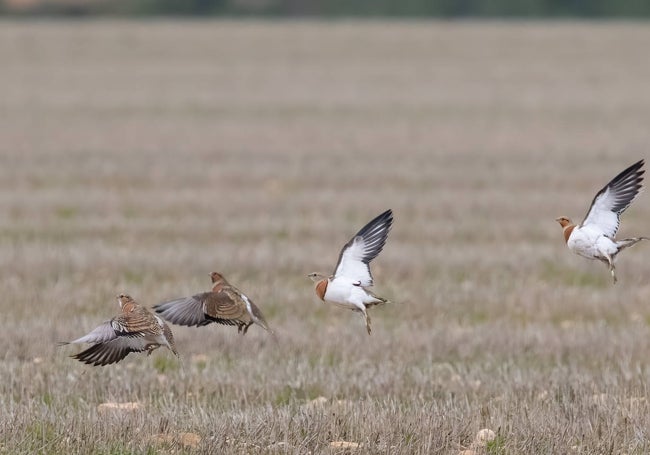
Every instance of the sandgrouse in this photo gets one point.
(135, 329)
(594, 238)
(348, 286)
(225, 304)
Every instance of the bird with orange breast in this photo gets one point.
(595, 238)
(348, 286)
(135, 329)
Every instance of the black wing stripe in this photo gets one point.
(225, 321)
(102, 354)
(375, 234)
(626, 186)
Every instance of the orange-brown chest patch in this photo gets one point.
(321, 288)
(567, 232)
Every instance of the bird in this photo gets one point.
(135, 329)
(595, 238)
(348, 286)
(225, 304)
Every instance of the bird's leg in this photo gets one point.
(610, 265)
(367, 318)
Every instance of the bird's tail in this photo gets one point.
(379, 300)
(625, 243)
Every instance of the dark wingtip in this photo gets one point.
(633, 168)
(385, 218)
(157, 307)
(93, 356)
(387, 215)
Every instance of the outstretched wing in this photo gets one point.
(101, 334)
(356, 255)
(110, 352)
(188, 311)
(614, 198)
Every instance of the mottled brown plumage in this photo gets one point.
(225, 304)
(135, 329)
(218, 281)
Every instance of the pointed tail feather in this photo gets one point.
(625, 243)
(380, 300)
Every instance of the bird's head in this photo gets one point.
(564, 221)
(216, 277)
(125, 301)
(316, 277)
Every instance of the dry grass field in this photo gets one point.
(139, 157)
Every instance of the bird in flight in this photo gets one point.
(348, 286)
(594, 238)
(225, 304)
(135, 329)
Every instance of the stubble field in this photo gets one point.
(139, 157)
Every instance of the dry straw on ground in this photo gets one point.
(139, 157)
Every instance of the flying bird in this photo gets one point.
(135, 329)
(348, 286)
(594, 238)
(225, 304)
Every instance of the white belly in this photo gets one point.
(343, 293)
(589, 242)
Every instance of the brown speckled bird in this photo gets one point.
(135, 329)
(225, 304)
(595, 238)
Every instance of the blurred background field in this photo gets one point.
(140, 156)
